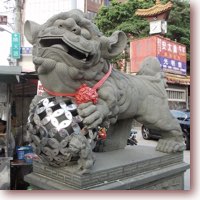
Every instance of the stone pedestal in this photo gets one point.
(132, 168)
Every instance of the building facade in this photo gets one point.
(92, 7)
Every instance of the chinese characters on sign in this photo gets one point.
(172, 56)
(15, 50)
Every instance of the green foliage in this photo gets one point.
(179, 24)
(121, 16)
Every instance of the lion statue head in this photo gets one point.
(69, 50)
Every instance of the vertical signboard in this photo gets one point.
(15, 49)
(172, 56)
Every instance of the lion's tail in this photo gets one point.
(150, 67)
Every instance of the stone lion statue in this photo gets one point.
(71, 55)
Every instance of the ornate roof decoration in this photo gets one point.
(158, 9)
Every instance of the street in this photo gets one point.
(153, 143)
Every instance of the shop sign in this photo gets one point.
(26, 50)
(171, 65)
(172, 56)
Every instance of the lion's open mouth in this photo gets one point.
(60, 44)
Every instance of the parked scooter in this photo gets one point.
(132, 139)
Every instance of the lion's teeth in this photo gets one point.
(59, 46)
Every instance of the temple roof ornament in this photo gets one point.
(155, 11)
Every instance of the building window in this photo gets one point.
(176, 95)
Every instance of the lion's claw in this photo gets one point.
(170, 146)
(91, 116)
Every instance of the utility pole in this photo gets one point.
(18, 15)
(18, 21)
(85, 6)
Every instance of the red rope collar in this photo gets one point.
(84, 93)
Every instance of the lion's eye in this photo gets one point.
(58, 23)
(86, 34)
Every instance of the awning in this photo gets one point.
(177, 79)
(9, 74)
(28, 85)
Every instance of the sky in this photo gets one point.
(5, 43)
(5, 39)
(41, 17)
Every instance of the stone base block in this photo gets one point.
(132, 168)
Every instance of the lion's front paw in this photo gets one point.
(90, 114)
(170, 146)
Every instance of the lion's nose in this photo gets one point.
(76, 29)
(69, 24)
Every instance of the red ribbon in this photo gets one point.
(84, 93)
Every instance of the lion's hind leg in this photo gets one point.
(157, 116)
(171, 138)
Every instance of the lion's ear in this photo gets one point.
(113, 45)
(31, 30)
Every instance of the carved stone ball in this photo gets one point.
(52, 125)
